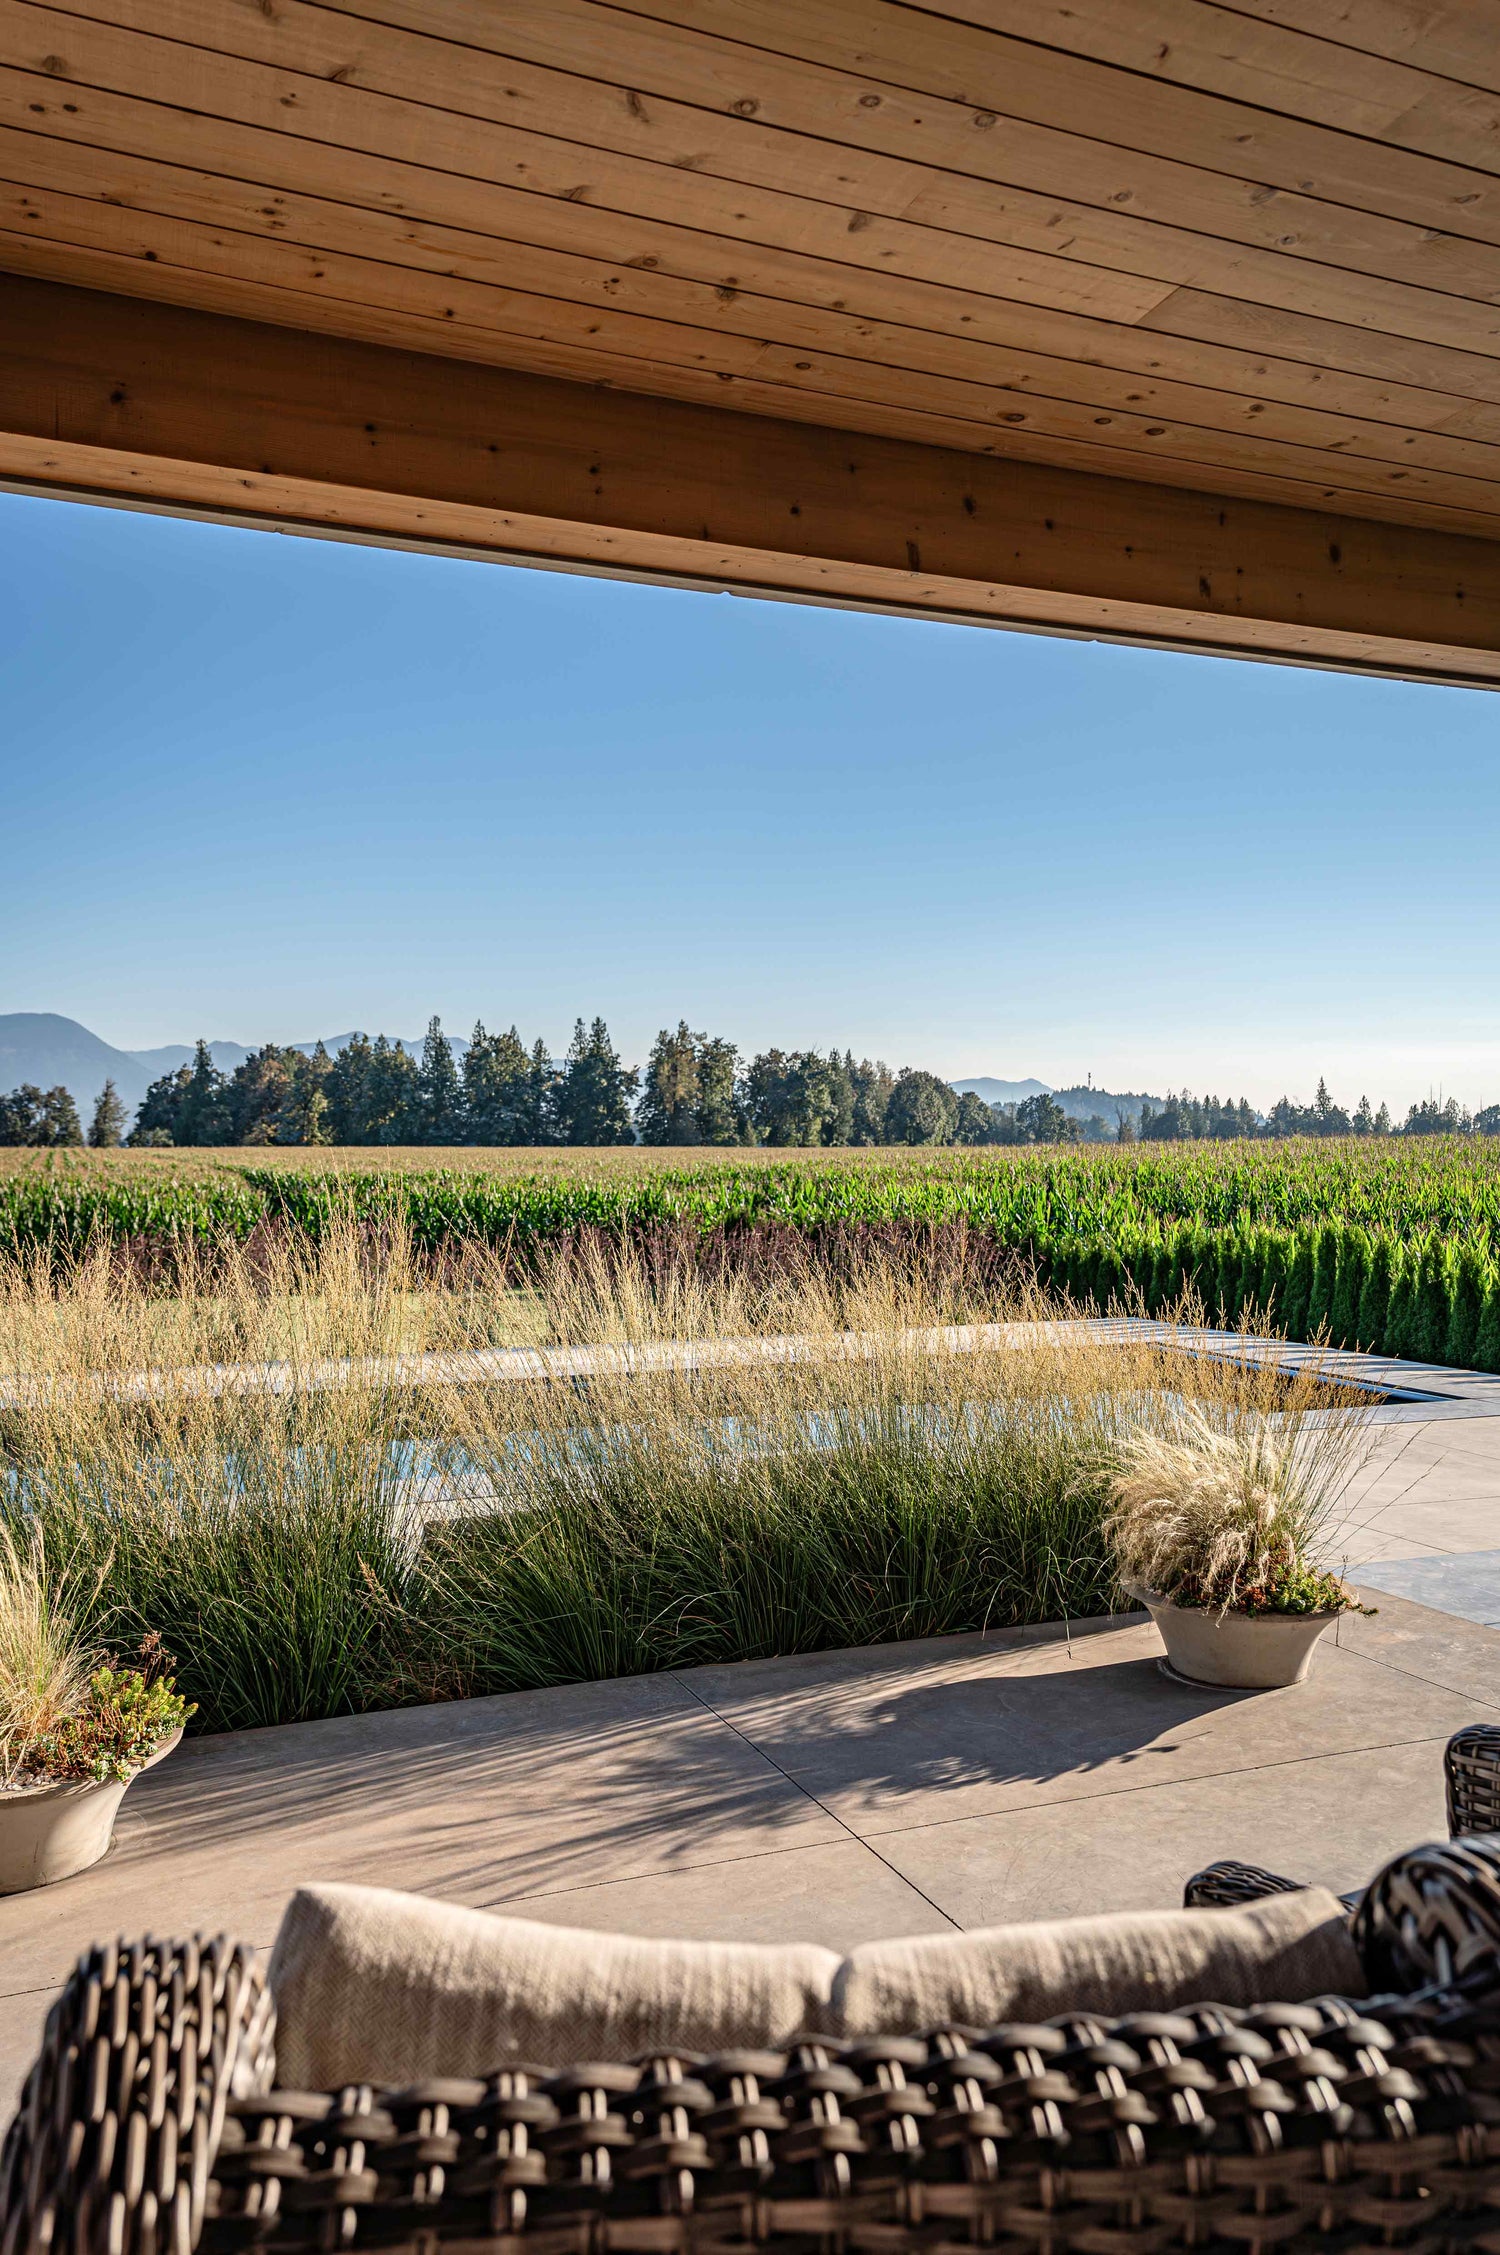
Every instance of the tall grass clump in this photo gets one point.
(286, 1467)
(45, 1659)
(1233, 1514)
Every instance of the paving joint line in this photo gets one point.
(832, 1814)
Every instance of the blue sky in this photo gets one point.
(260, 787)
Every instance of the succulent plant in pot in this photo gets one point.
(74, 1728)
(1219, 1526)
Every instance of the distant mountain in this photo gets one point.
(40, 1047)
(36, 1046)
(1079, 1102)
(1003, 1092)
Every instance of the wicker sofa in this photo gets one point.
(151, 2124)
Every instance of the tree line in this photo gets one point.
(694, 1089)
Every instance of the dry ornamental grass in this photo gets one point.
(369, 1528)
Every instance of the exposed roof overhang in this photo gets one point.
(1158, 319)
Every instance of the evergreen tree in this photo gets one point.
(1487, 1331)
(497, 1088)
(721, 1117)
(1429, 1334)
(873, 1083)
(1299, 1285)
(1275, 1273)
(1375, 1297)
(346, 1092)
(671, 1094)
(1324, 1280)
(202, 1109)
(257, 1090)
(108, 1123)
(1343, 1314)
(1402, 1301)
(157, 1116)
(838, 1124)
(1468, 1277)
(544, 1086)
(303, 1117)
(395, 1096)
(593, 1102)
(440, 1096)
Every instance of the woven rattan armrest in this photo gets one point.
(145, 2051)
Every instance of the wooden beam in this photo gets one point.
(108, 397)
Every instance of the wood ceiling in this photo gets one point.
(1244, 252)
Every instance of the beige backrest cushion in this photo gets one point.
(372, 1986)
(1281, 1949)
(377, 1987)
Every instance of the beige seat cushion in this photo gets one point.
(1284, 1948)
(372, 1986)
(376, 1987)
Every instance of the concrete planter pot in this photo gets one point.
(1238, 1651)
(49, 1832)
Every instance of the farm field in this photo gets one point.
(1390, 1245)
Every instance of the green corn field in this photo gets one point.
(1392, 1246)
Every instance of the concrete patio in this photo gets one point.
(847, 1795)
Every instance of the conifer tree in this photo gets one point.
(1343, 1313)
(202, 1108)
(1324, 1280)
(873, 1082)
(1275, 1269)
(594, 1099)
(1375, 1297)
(1467, 1277)
(1487, 1330)
(1299, 1286)
(1429, 1336)
(440, 1096)
(497, 1088)
(721, 1117)
(108, 1123)
(346, 1092)
(1401, 1304)
(303, 1116)
(395, 1097)
(671, 1093)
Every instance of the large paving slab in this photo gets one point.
(838, 1797)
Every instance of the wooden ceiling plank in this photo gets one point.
(560, 338)
(632, 188)
(152, 190)
(74, 52)
(728, 267)
(571, 67)
(102, 387)
(1289, 70)
(471, 155)
(918, 51)
(1462, 42)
